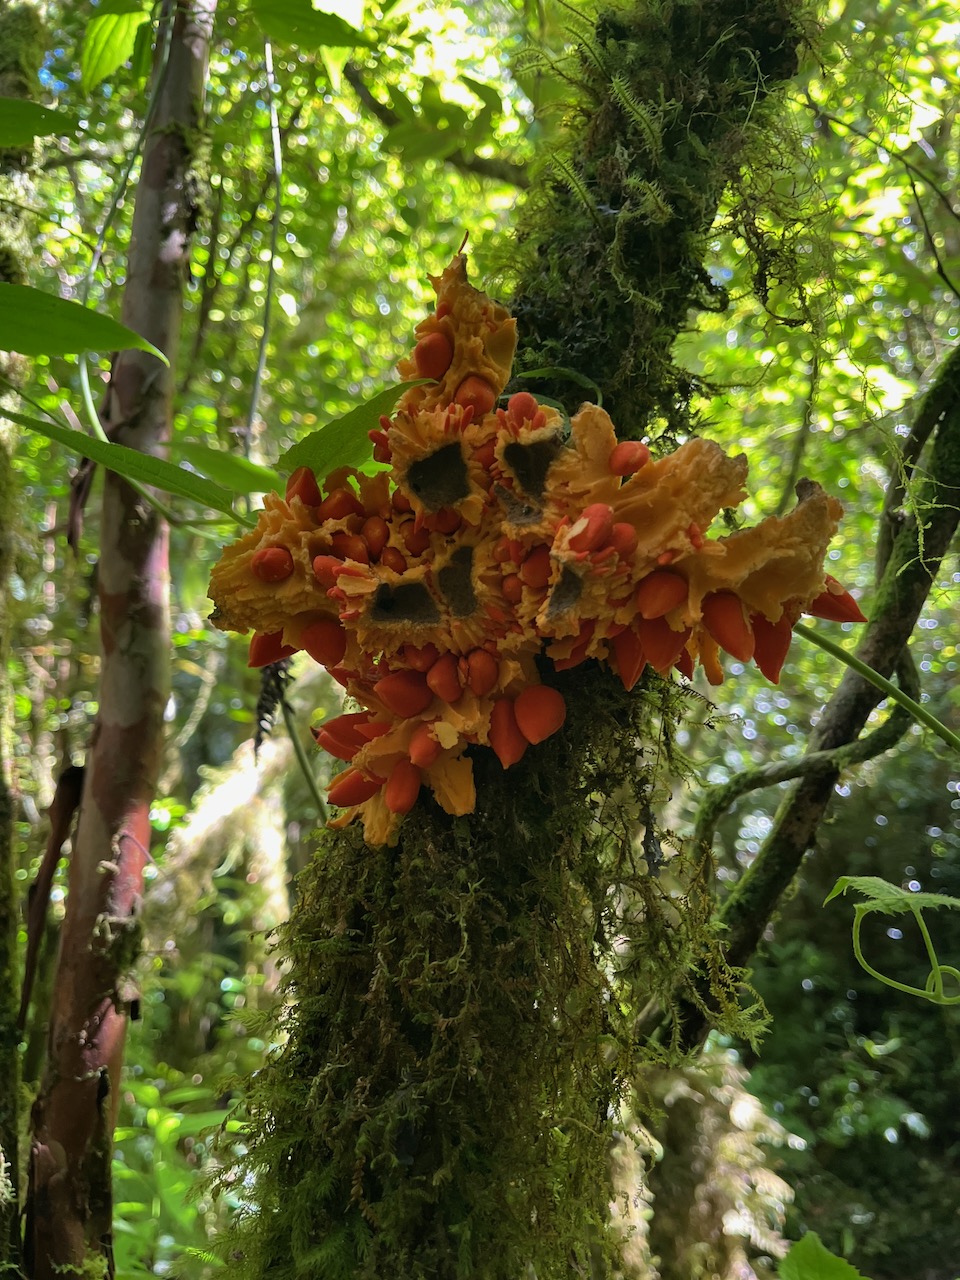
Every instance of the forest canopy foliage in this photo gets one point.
(761, 248)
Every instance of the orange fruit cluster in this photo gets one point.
(496, 536)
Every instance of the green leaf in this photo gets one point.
(888, 898)
(108, 43)
(133, 465)
(809, 1259)
(298, 22)
(344, 441)
(21, 122)
(231, 470)
(418, 142)
(36, 323)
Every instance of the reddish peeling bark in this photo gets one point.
(69, 1207)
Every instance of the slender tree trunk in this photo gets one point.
(21, 53)
(69, 1211)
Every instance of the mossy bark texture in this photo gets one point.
(460, 1029)
(69, 1207)
(21, 53)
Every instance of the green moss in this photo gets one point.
(464, 1006)
(673, 103)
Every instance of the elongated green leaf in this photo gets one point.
(234, 472)
(107, 44)
(298, 22)
(36, 324)
(344, 442)
(133, 465)
(810, 1259)
(888, 898)
(21, 122)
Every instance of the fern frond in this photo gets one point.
(641, 116)
(566, 173)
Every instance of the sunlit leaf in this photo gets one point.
(36, 323)
(231, 470)
(22, 121)
(109, 42)
(133, 465)
(298, 22)
(344, 442)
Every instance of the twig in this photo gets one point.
(515, 175)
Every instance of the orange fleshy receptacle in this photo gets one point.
(494, 537)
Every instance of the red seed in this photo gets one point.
(325, 570)
(476, 393)
(424, 748)
(623, 538)
(375, 533)
(660, 592)
(267, 647)
(415, 540)
(340, 737)
(350, 546)
(684, 664)
(486, 454)
(661, 644)
(630, 657)
(405, 693)
(724, 618)
(505, 736)
(444, 678)
(352, 787)
(483, 672)
(325, 640)
(338, 505)
(393, 558)
(512, 588)
(272, 564)
(420, 658)
(403, 787)
(503, 550)
(771, 644)
(835, 604)
(303, 485)
(627, 457)
(540, 711)
(446, 521)
(400, 502)
(521, 408)
(593, 529)
(432, 355)
(443, 309)
(535, 570)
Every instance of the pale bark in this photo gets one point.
(69, 1212)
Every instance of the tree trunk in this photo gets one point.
(69, 1210)
(458, 1047)
(21, 54)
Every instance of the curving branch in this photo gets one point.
(515, 175)
(909, 572)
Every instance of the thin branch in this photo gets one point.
(803, 433)
(515, 175)
(899, 156)
(718, 799)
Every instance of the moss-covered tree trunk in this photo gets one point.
(21, 53)
(444, 1103)
(69, 1207)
